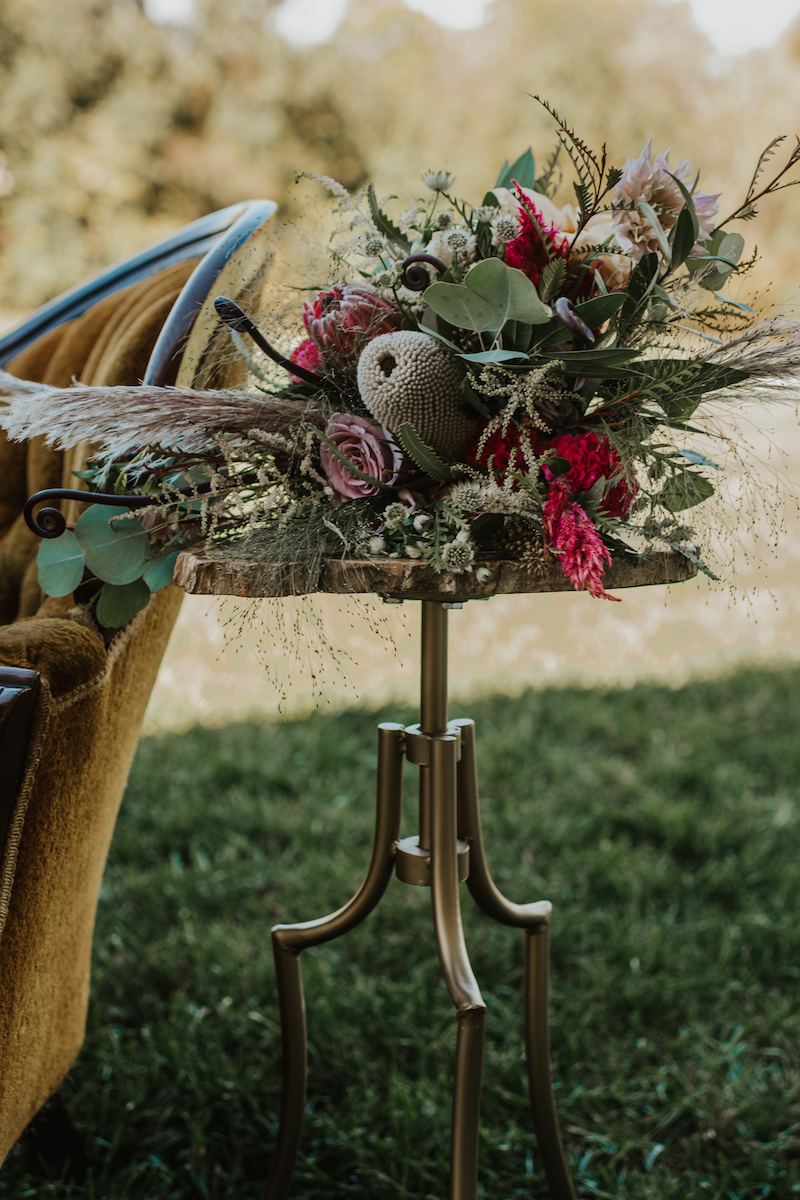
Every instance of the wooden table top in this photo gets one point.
(218, 572)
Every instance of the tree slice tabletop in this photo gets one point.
(224, 571)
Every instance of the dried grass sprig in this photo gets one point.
(122, 418)
(769, 352)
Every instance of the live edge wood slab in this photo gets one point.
(218, 572)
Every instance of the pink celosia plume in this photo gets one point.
(580, 549)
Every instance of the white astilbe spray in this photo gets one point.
(119, 419)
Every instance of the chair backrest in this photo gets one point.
(61, 797)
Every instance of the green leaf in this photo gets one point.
(597, 364)
(159, 571)
(699, 460)
(115, 549)
(426, 459)
(491, 294)
(688, 200)
(60, 564)
(552, 278)
(724, 248)
(683, 238)
(473, 398)
(118, 603)
(384, 225)
(599, 310)
(683, 490)
(642, 281)
(493, 356)
(657, 227)
(523, 171)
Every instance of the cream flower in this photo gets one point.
(652, 182)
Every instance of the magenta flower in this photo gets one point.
(341, 322)
(306, 355)
(368, 446)
(579, 547)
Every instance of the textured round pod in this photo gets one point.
(408, 377)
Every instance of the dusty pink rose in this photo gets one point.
(341, 322)
(369, 446)
(653, 183)
(306, 355)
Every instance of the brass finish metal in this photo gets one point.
(289, 940)
(537, 1053)
(413, 864)
(449, 849)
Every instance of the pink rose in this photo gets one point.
(369, 446)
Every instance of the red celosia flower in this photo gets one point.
(590, 457)
(306, 355)
(502, 451)
(538, 241)
(571, 533)
(341, 322)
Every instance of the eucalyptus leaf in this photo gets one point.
(599, 364)
(699, 460)
(60, 564)
(493, 356)
(490, 295)
(115, 548)
(159, 571)
(599, 310)
(684, 489)
(116, 603)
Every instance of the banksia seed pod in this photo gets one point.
(410, 378)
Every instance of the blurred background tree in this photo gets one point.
(115, 130)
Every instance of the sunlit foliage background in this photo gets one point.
(117, 130)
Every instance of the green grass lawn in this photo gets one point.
(663, 824)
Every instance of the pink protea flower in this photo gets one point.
(341, 321)
(653, 182)
(580, 548)
(369, 446)
(591, 457)
(306, 355)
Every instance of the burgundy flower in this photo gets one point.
(503, 452)
(306, 355)
(580, 549)
(369, 447)
(591, 457)
(341, 322)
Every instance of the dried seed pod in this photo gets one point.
(409, 377)
(521, 540)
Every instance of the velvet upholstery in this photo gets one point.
(86, 725)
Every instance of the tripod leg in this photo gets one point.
(535, 920)
(289, 940)
(537, 1053)
(457, 971)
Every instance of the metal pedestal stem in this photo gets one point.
(449, 822)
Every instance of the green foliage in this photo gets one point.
(723, 248)
(664, 825)
(384, 225)
(160, 570)
(491, 295)
(678, 385)
(426, 459)
(552, 279)
(113, 541)
(523, 171)
(117, 603)
(60, 564)
(644, 278)
(684, 489)
(597, 364)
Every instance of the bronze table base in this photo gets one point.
(449, 848)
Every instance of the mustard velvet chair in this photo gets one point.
(68, 743)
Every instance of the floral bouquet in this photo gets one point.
(516, 378)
